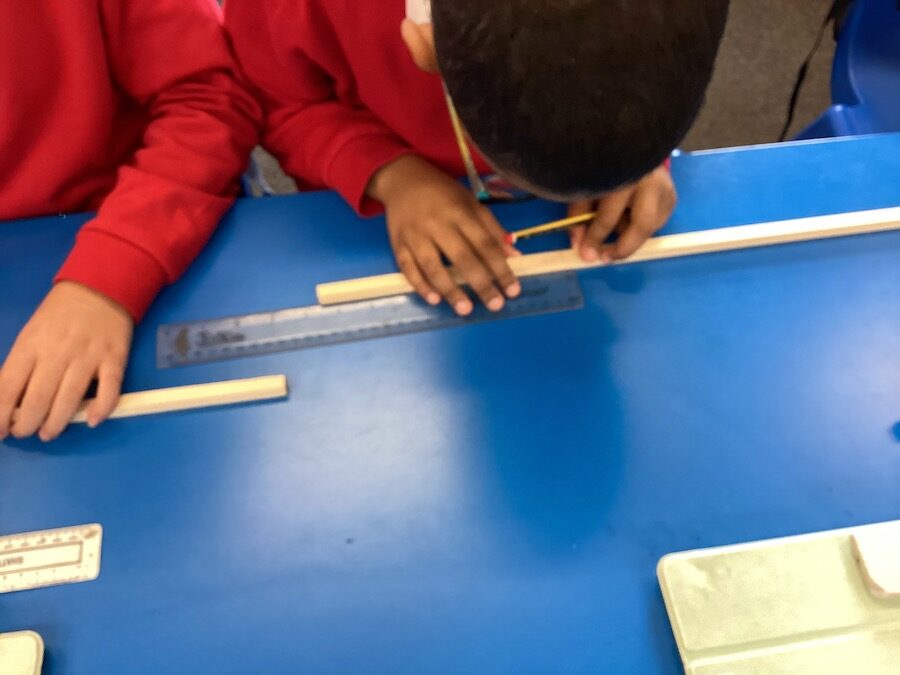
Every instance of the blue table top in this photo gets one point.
(493, 498)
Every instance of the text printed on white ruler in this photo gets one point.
(50, 557)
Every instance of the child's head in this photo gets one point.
(574, 97)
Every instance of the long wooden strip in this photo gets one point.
(194, 396)
(669, 246)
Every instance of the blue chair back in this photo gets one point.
(865, 80)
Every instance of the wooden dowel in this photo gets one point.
(657, 248)
(194, 396)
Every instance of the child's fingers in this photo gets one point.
(579, 208)
(576, 236)
(70, 394)
(609, 212)
(414, 276)
(471, 268)
(491, 252)
(39, 393)
(13, 379)
(510, 251)
(646, 218)
(429, 261)
(109, 387)
(492, 225)
(498, 232)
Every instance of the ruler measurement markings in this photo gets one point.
(316, 326)
(50, 557)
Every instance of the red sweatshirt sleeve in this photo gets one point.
(320, 141)
(171, 59)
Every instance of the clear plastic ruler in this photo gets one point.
(50, 557)
(304, 327)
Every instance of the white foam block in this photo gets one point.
(21, 653)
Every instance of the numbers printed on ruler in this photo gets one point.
(50, 557)
(317, 326)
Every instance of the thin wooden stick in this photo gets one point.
(657, 248)
(194, 396)
(563, 224)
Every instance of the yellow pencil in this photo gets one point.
(556, 225)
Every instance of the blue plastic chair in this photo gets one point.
(865, 79)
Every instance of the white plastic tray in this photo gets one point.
(813, 604)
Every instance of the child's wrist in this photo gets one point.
(395, 178)
(389, 179)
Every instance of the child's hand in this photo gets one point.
(635, 212)
(75, 336)
(429, 215)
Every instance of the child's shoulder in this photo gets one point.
(344, 12)
(367, 20)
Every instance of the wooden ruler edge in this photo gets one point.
(657, 248)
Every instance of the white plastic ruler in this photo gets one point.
(50, 557)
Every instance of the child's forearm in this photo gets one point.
(202, 124)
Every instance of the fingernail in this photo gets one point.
(606, 258)
(463, 307)
(590, 254)
(495, 304)
(513, 290)
(433, 299)
(92, 424)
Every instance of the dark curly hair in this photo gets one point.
(577, 96)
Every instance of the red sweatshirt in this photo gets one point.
(130, 107)
(341, 93)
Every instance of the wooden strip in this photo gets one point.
(657, 248)
(194, 396)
